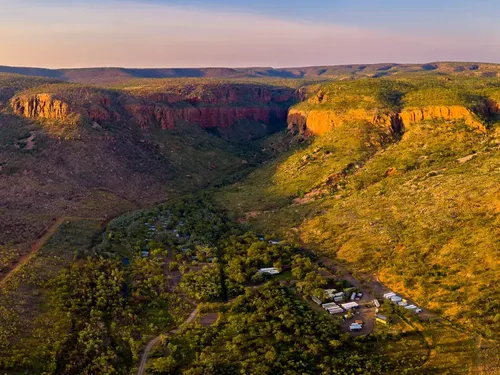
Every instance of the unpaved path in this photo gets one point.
(38, 244)
(157, 339)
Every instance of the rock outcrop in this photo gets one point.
(209, 107)
(412, 116)
(317, 121)
(320, 121)
(41, 106)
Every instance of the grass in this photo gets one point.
(32, 326)
(420, 212)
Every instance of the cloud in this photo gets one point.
(135, 34)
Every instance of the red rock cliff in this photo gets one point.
(215, 106)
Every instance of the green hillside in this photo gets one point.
(418, 210)
(387, 178)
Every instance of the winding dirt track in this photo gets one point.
(157, 339)
(38, 244)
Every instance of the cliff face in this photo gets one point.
(411, 116)
(214, 107)
(151, 115)
(319, 121)
(41, 106)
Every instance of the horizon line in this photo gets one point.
(252, 67)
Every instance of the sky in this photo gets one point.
(243, 33)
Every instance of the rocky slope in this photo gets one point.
(70, 150)
(391, 105)
(418, 208)
(212, 106)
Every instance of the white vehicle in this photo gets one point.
(354, 327)
(418, 310)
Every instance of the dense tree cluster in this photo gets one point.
(269, 331)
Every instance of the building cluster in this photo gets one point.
(337, 307)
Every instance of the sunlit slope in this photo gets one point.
(418, 205)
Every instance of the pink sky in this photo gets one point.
(164, 36)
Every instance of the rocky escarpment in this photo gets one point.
(320, 121)
(41, 106)
(218, 106)
(410, 116)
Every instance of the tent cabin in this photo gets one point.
(381, 319)
(396, 299)
(269, 271)
(403, 303)
(389, 295)
(328, 305)
(316, 300)
(350, 305)
(335, 310)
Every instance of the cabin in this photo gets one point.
(350, 305)
(396, 299)
(389, 295)
(376, 303)
(327, 305)
(335, 310)
(316, 300)
(269, 271)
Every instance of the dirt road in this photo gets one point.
(157, 339)
(38, 244)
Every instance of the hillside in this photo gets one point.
(397, 179)
(362, 178)
(115, 75)
(72, 150)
